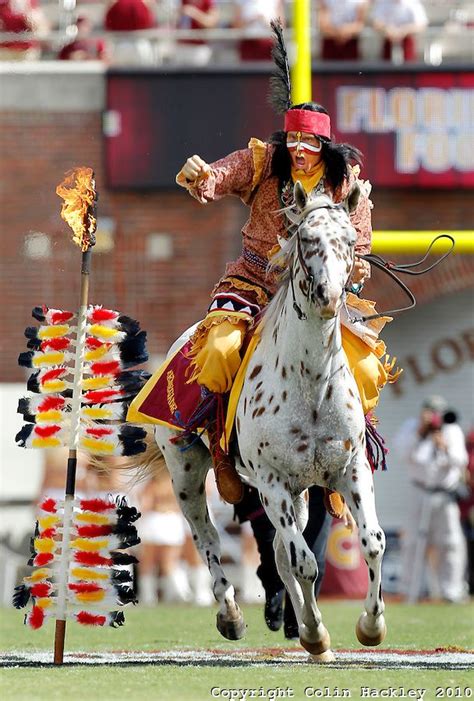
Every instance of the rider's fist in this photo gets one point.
(195, 168)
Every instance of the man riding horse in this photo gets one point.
(263, 176)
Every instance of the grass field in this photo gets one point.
(421, 627)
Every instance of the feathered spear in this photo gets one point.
(78, 210)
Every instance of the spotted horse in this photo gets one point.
(299, 422)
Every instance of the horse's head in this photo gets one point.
(325, 248)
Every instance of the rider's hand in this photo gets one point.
(348, 519)
(360, 271)
(195, 168)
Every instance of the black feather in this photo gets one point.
(121, 577)
(23, 435)
(123, 559)
(34, 343)
(116, 619)
(280, 82)
(126, 595)
(133, 351)
(31, 332)
(24, 359)
(131, 326)
(39, 313)
(21, 596)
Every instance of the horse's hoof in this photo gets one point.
(370, 638)
(231, 628)
(324, 657)
(319, 647)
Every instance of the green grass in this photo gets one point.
(180, 627)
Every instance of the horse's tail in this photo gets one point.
(139, 467)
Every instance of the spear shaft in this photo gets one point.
(60, 629)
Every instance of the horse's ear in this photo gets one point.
(353, 198)
(300, 195)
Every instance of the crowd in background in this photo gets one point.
(339, 24)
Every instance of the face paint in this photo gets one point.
(303, 145)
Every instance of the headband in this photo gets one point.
(316, 123)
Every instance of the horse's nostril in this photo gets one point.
(322, 294)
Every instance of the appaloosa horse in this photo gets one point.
(299, 423)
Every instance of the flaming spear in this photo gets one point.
(78, 543)
(78, 210)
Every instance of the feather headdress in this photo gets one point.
(280, 82)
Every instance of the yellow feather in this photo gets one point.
(51, 442)
(53, 331)
(97, 446)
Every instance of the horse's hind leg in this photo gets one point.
(188, 470)
(359, 494)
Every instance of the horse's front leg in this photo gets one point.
(300, 570)
(188, 470)
(358, 490)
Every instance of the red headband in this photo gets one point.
(304, 120)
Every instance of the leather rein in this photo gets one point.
(388, 267)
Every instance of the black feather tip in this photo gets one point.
(21, 596)
(280, 81)
(116, 619)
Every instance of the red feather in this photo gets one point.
(99, 396)
(49, 533)
(99, 432)
(41, 589)
(96, 505)
(59, 317)
(54, 374)
(93, 531)
(48, 505)
(36, 617)
(99, 314)
(57, 344)
(47, 431)
(90, 619)
(92, 343)
(110, 368)
(43, 559)
(83, 587)
(51, 403)
(92, 559)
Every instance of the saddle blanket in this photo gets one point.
(168, 399)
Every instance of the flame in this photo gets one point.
(79, 195)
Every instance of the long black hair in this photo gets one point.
(337, 157)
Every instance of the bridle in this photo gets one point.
(388, 267)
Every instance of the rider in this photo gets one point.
(263, 176)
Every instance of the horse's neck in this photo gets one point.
(314, 343)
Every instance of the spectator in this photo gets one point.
(129, 16)
(436, 456)
(162, 532)
(399, 21)
(466, 504)
(340, 24)
(196, 14)
(21, 16)
(84, 47)
(255, 16)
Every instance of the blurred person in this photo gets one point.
(398, 21)
(340, 25)
(129, 16)
(199, 578)
(162, 532)
(84, 47)
(466, 505)
(53, 482)
(19, 16)
(434, 449)
(195, 14)
(256, 15)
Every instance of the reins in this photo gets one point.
(391, 268)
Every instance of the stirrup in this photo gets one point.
(334, 503)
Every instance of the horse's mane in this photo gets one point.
(282, 261)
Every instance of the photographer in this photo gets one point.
(435, 451)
